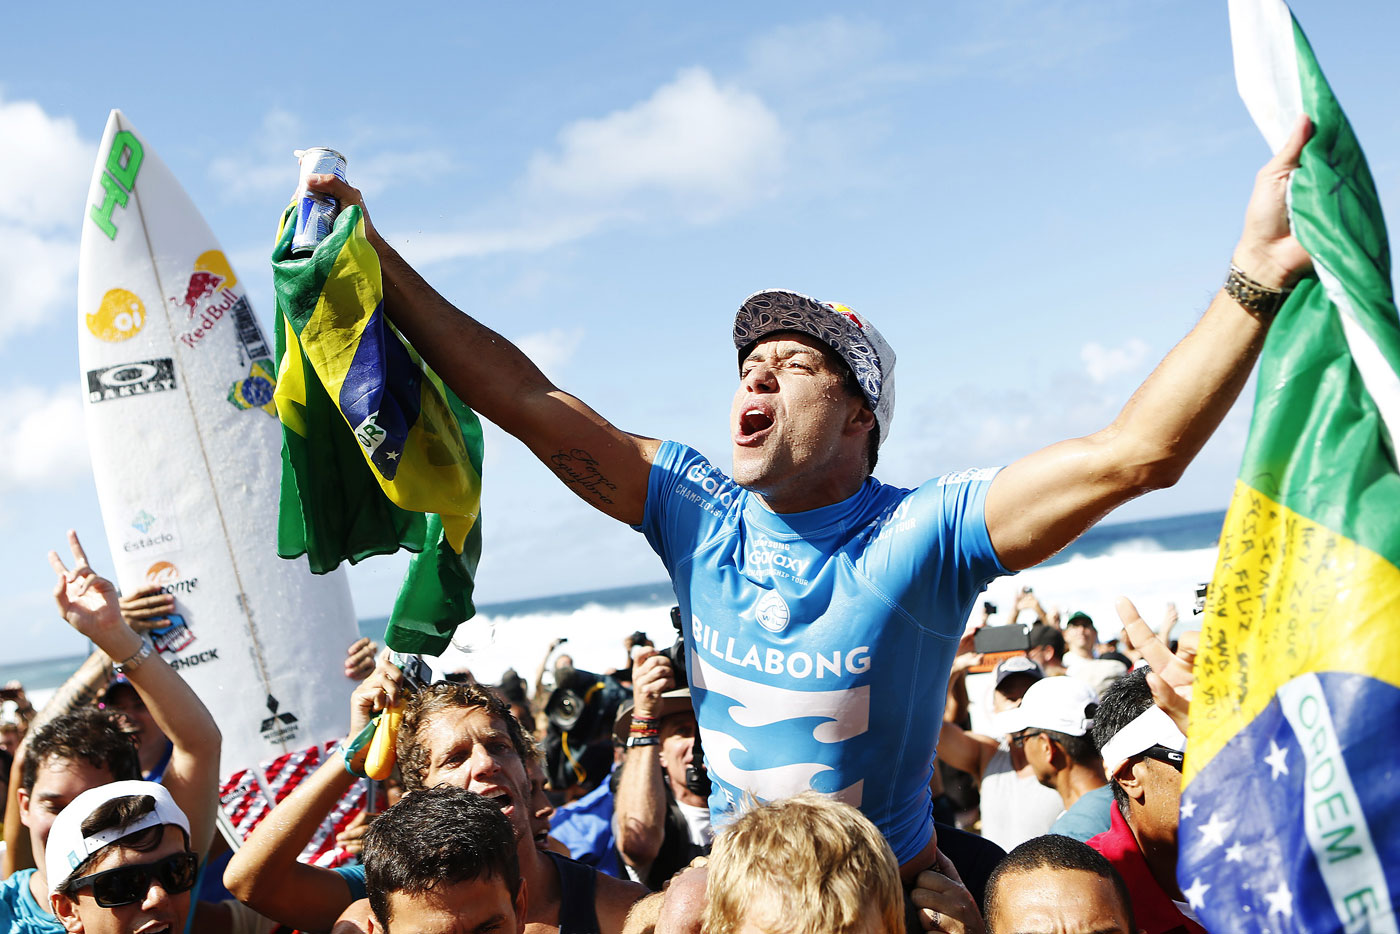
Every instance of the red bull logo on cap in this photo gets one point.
(846, 312)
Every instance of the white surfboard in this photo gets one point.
(186, 451)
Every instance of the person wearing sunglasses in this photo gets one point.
(1142, 751)
(119, 861)
(1051, 727)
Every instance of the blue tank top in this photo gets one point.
(819, 643)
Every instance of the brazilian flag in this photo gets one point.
(377, 454)
(1291, 800)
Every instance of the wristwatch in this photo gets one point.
(136, 659)
(1253, 296)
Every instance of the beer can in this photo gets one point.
(315, 212)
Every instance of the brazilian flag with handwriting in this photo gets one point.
(377, 454)
(1290, 811)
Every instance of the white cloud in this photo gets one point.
(38, 276)
(265, 165)
(48, 438)
(1105, 363)
(45, 165)
(707, 147)
(814, 52)
(530, 236)
(1017, 40)
(695, 150)
(551, 350)
(826, 65)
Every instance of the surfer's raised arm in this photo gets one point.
(607, 467)
(89, 604)
(1042, 502)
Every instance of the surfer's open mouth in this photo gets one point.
(500, 798)
(754, 422)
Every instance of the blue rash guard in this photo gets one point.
(819, 643)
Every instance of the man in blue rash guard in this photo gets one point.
(821, 607)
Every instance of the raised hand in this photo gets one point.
(1267, 251)
(89, 604)
(344, 193)
(1171, 675)
(147, 608)
(381, 689)
(652, 676)
(359, 659)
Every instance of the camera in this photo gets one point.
(676, 653)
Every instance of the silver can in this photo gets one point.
(315, 212)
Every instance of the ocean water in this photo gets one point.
(1153, 562)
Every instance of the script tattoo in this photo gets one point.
(578, 468)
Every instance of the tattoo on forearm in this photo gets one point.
(578, 468)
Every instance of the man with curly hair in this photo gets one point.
(457, 734)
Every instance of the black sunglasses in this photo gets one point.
(1162, 754)
(1020, 738)
(127, 885)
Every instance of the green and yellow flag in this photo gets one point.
(1291, 799)
(377, 454)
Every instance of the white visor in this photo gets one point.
(1150, 728)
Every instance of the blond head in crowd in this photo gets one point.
(807, 864)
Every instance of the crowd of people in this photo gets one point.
(820, 751)
(1062, 821)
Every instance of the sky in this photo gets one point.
(1032, 200)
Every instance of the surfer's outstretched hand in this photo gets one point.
(89, 603)
(345, 194)
(380, 690)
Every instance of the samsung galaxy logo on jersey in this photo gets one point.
(892, 522)
(712, 482)
(836, 663)
(971, 475)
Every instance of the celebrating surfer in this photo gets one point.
(822, 608)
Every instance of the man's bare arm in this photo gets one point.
(639, 811)
(89, 604)
(963, 749)
(605, 466)
(264, 874)
(1041, 503)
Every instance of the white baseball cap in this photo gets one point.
(1059, 703)
(854, 339)
(67, 847)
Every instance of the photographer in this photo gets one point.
(661, 817)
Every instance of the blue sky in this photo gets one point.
(1032, 200)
